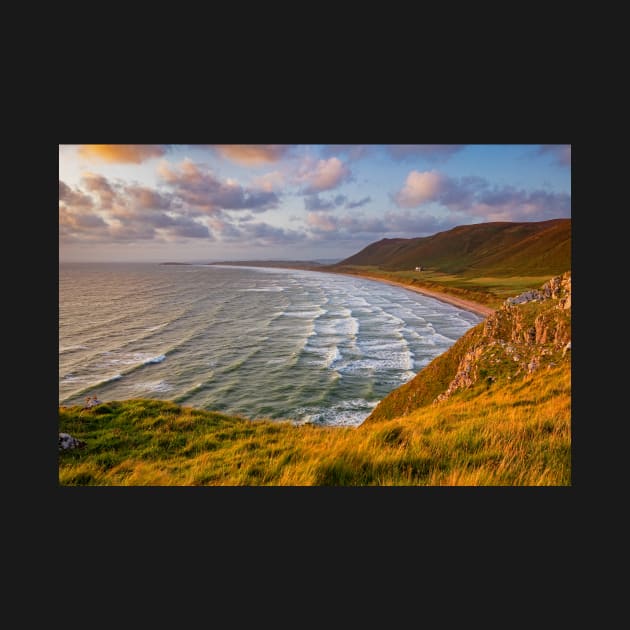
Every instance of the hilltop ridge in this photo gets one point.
(499, 248)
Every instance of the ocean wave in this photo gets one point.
(137, 359)
(309, 313)
(338, 326)
(325, 355)
(271, 289)
(153, 386)
(346, 413)
(68, 349)
(157, 359)
(191, 391)
(154, 328)
(71, 378)
(91, 386)
(380, 362)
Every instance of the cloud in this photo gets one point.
(411, 224)
(517, 205)
(341, 227)
(224, 228)
(322, 222)
(419, 188)
(74, 198)
(198, 189)
(80, 220)
(126, 153)
(315, 203)
(324, 175)
(270, 181)
(114, 196)
(430, 152)
(252, 154)
(188, 228)
(399, 152)
(145, 198)
(117, 212)
(100, 187)
(78, 225)
(358, 204)
(351, 151)
(560, 152)
(476, 197)
(266, 234)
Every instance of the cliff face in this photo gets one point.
(528, 334)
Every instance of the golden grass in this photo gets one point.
(517, 434)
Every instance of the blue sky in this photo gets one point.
(204, 203)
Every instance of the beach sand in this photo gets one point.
(474, 307)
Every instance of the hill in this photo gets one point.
(530, 333)
(500, 249)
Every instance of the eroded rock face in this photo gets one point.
(466, 373)
(66, 441)
(522, 341)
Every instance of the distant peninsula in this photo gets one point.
(287, 264)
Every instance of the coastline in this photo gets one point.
(468, 305)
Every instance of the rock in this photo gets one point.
(66, 441)
(557, 288)
(465, 375)
(522, 340)
(527, 296)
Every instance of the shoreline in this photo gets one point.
(468, 305)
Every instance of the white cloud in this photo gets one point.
(419, 188)
(325, 175)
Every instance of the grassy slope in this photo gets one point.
(500, 248)
(504, 347)
(514, 434)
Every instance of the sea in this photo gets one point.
(281, 344)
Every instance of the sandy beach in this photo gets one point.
(474, 307)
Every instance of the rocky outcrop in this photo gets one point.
(66, 442)
(520, 337)
(467, 373)
(558, 288)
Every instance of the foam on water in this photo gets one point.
(152, 386)
(157, 359)
(345, 413)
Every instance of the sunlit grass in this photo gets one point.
(518, 434)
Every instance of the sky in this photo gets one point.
(209, 203)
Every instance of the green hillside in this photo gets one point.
(501, 248)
